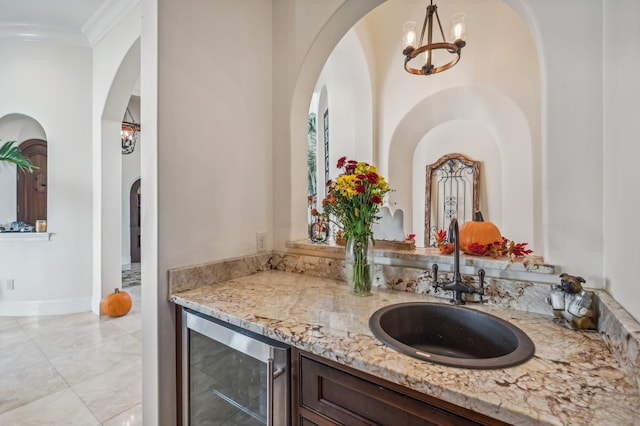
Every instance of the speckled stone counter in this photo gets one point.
(573, 379)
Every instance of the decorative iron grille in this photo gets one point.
(452, 191)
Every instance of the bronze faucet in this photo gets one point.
(457, 286)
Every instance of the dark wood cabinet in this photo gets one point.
(326, 393)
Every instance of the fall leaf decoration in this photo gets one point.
(505, 247)
(441, 242)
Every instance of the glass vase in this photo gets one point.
(359, 264)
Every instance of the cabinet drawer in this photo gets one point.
(351, 400)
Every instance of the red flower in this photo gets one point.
(324, 202)
(411, 237)
(372, 178)
(375, 199)
(350, 168)
(341, 162)
(314, 212)
(328, 184)
(361, 177)
(360, 189)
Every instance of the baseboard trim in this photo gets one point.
(30, 308)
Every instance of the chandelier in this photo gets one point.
(129, 132)
(433, 52)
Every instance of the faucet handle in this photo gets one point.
(434, 278)
(481, 281)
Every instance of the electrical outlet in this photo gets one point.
(10, 284)
(261, 241)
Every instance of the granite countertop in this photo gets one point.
(573, 379)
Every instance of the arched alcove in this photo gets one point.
(291, 219)
(510, 114)
(14, 127)
(506, 124)
(458, 136)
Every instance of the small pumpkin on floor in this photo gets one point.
(117, 303)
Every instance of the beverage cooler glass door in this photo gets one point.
(232, 376)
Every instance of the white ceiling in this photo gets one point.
(72, 21)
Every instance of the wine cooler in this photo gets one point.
(231, 376)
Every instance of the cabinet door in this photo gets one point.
(351, 400)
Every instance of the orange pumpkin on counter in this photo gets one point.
(478, 231)
(117, 303)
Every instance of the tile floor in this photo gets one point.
(77, 369)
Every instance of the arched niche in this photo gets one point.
(350, 105)
(385, 149)
(290, 214)
(502, 122)
(14, 127)
(476, 142)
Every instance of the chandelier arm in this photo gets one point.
(424, 26)
(440, 25)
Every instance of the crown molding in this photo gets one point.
(30, 32)
(106, 18)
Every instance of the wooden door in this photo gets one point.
(32, 187)
(134, 222)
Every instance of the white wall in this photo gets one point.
(214, 150)
(349, 99)
(116, 70)
(572, 134)
(621, 203)
(52, 84)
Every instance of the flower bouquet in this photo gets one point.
(353, 201)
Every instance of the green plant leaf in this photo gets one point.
(10, 153)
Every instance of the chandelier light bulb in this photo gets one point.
(409, 35)
(458, 27)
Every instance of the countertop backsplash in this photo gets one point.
(525, 287)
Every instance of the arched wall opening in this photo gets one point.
(290, 216)
(529, 132)
(502, 122)
(108, 227)
(349, 105)
(458, 136)
(14, 127)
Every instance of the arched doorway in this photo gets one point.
(134, 223)
(32, 187)
(108, 218)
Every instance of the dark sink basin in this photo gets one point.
(451, 335)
